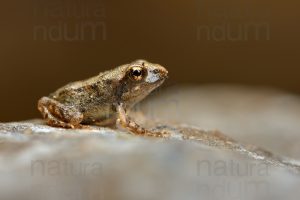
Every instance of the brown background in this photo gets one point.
(159, 31)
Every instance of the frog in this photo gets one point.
(105, 99)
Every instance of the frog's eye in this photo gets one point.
(136, 73)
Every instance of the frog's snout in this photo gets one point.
(163, 72)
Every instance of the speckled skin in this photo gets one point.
(102, 99)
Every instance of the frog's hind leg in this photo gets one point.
(59, 115)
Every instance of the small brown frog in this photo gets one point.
(103, 100)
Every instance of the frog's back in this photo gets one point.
(91, 96)
(79, 92)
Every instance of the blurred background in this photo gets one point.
(48, 43)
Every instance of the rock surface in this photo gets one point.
(41, 162)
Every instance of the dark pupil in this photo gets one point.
(136, 72)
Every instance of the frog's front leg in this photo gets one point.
(133, 127)
(59, 115)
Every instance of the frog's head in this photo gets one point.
(143, 72)
(142, 77)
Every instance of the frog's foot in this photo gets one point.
(135, 128)
(59, 115)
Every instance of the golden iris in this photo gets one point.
(136, 73)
